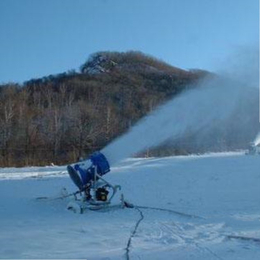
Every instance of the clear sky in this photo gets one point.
(43, 37)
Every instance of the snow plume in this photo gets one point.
(257, 139)
(213, 102)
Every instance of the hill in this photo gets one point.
(57, 118)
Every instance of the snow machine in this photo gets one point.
(253, 149)
(94, 192)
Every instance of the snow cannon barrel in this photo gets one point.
(84, 172)
(99, 160)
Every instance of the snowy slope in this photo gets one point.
(214, 200)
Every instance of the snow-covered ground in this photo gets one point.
(213, 203)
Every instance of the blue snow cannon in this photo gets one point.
(83, 173)
(95, 192)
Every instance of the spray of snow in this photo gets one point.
(212, 102)
(257, 139)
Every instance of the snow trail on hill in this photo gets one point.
(212, 102)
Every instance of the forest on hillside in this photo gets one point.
(58, 118)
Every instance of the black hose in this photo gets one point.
(133, 233)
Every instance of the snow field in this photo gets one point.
(213, 201)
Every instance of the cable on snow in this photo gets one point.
(133, 233)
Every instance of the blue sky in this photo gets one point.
(43, 37)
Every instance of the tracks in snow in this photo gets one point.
(191, 241)
(142, 216)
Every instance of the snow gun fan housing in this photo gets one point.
(83, 173)
(88, 177)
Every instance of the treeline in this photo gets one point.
(58, 118)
